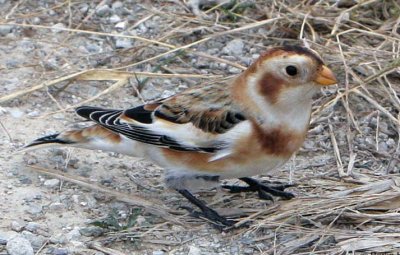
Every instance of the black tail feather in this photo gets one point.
(47, 140)
(85, 111)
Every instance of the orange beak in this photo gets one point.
(325, 77)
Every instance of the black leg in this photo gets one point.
(208, 213)
(263, 190)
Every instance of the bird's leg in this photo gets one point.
(264, 191)
(208, 213)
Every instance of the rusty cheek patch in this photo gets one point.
(270, 87)
(279, 141)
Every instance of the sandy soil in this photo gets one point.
(89, 202)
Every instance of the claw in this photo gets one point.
(264, 195)
(264, 191)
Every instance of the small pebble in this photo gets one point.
(33, 227)
(167, 93)
(59, 116)
(6, 236)
(103, 10)
(19, 246)
(60, 251)
(193, 250)
(74, 234)
(58, 28)
(382, 147)
(27, 46)
(17, 226)
(51, 12)
(36, 20)
(141, 221)
(84, 8)
(121, 43)
(234, 47)
(33, 114)
(25, 180)
(58, 239)
(34, 209)
(32, 160)
(390, 142)
(91, 231)
(120, 26)
(78, 244)
(5, 29)
(234, 70)
(93, 48)
(159, 252)
(35, 240)
(117, 5)
(52, 183)
(248, 251)
(15, 112)
(115, 18)
(57, 206)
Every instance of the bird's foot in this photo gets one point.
(218, 221)
(264, 191)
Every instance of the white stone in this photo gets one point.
(52, 183)
(103, 10)
(115, 18)
(19, 246)
(74, 235)
(15, 112)
(234, 47)
(123, 43)
(5, 29)
(158, 252)
(120, 25)
(57, 28)
(193, 250)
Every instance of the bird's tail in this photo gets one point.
(53, 140)
(94, 137)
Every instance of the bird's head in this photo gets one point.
(285, 77)
(278, 87)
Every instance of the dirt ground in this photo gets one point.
(72, 201)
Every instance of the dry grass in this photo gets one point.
(344, 205)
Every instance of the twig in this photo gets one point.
(109, 251)
(337, 153)
(6, 131)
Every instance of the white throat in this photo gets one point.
(292, 109)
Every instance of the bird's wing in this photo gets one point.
(210, 109)
(186, 122)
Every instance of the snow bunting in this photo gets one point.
(247, 127)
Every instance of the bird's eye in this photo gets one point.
(291, 70)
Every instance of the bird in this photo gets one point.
(248, 126)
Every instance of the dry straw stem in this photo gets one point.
(100, 75)
(105, 250)
(337, 153)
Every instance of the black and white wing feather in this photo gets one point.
(138, 124)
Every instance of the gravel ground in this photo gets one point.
(73, 210)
